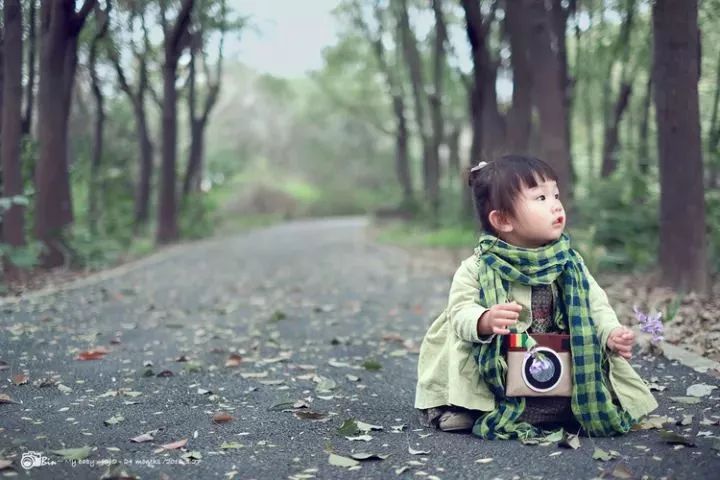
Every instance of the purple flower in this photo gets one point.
(650, 323)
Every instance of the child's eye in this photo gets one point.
(541, 197)
(557, 196)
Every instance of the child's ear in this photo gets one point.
(500, 221)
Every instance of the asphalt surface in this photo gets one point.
(297, 310)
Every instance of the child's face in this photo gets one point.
(539, 216)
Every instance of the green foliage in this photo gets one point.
(625, 226)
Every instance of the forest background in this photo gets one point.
(126, 125)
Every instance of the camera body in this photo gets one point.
(554, 380)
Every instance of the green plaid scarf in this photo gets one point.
(502, 264)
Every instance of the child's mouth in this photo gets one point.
(559, 221)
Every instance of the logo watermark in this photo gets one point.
(32, 459)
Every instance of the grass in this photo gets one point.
(413, 235)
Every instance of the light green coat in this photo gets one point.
(448, 374)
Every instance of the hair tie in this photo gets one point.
(478, 167)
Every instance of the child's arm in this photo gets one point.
(610, 332)
(471, 321)
(464, 309)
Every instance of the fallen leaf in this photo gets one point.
(360, 438)
(569, 440)
(352, 378)
(686, 420)
(73, 453)
(349, 428)
(145, 437)
(602, 455)
(5, 399)
(554, 437)
(412, 451)
(673, 438)
(686, 400)
(222, 417)
(707, 421)
(401, 470)
(165, 374)
(94, 354)
(340, 461)
(173, 445)
(310, 415)
(364, 456)
(372, 365)
(483, 460)
(700, 390)
(366, 427)
(20, 379)
(622, 472)
(231, 445)
(233, 360)
(651, 422)
(192, 456)
(114, 420)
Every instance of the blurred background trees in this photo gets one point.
(125, 124)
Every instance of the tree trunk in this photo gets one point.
(613, 117)
(167, 211)
(683, 251)
(435, 99)
(643, 144)
(142, 194)
(493, 121)
(454, 162)
(476, 36)
(13, 224)
(714, 134)
(519, 116)
(395, 90)
(549, 96)
(559, 16)
(97, 146)
(412, 57)
(30, 86)
(611, 143)
(61, 26)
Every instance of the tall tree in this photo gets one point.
(476, 33)
(31, 61)
(549, 95)
(198, 120)
(431, 163)
(137, 95)
(612, 121)
(519, 116)
(102, 17)
(394, 87)
(60, 28)
(682, 254)
(176, 38)
(13, 224)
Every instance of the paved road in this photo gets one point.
(299, 308)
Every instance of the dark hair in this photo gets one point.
(496, 185)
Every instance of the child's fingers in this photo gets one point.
(513, 307)
(500, 330)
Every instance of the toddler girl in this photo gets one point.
(525, 278)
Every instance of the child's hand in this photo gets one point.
(497, 318)
(621, 341)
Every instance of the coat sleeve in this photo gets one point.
(464, 308)
(602, 313)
